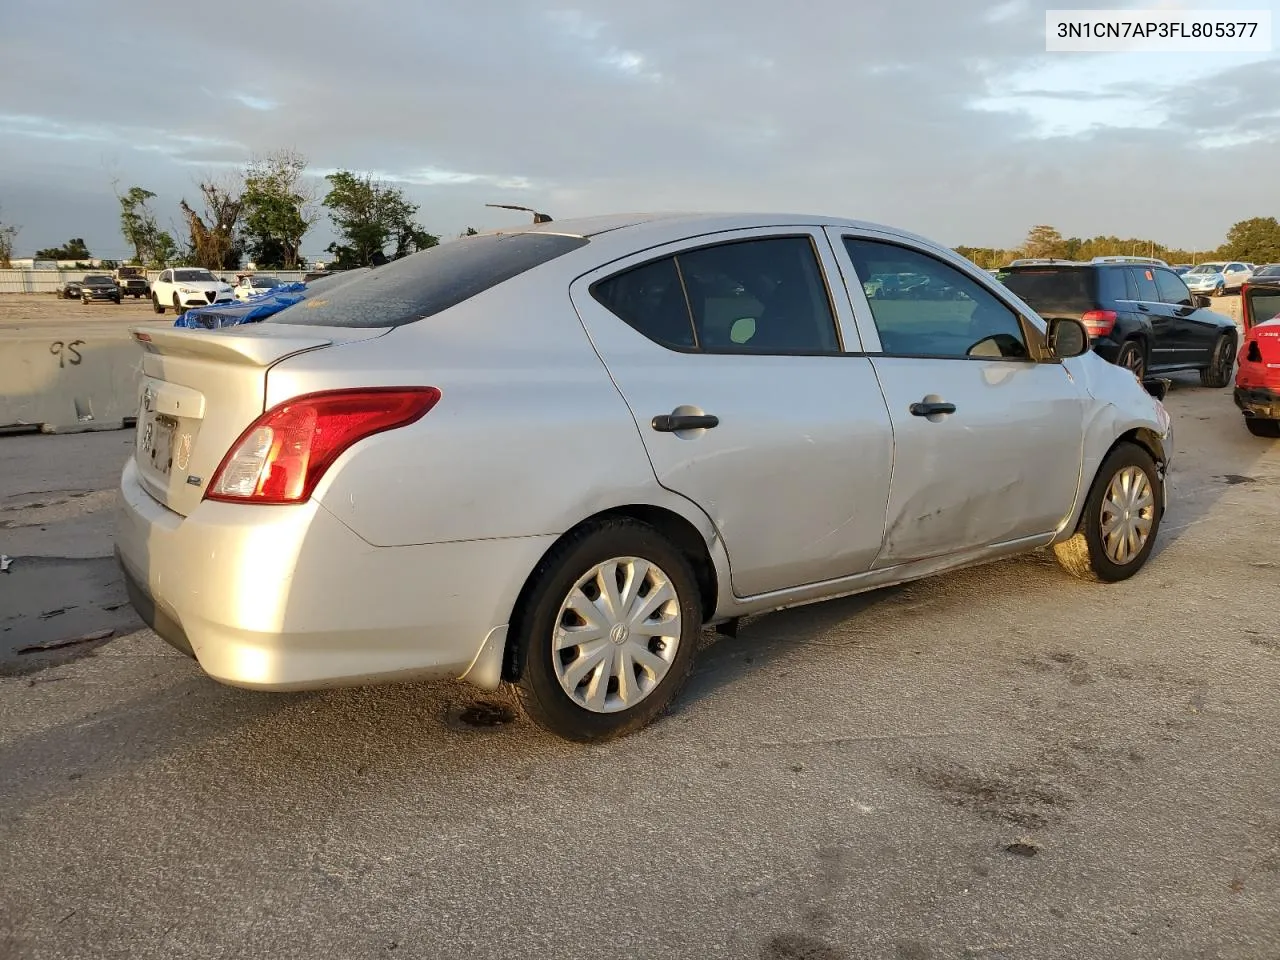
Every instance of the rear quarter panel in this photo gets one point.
(530, 435)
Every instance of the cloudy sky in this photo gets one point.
(941, 116)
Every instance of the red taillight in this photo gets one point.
(283, 454)
(1099, 322)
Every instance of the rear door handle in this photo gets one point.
(1144, 308)
(927, 408)
(672, 422)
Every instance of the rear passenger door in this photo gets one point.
(731, 353)
(1163, 348)
(988, 441)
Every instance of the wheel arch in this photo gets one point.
(682, 532)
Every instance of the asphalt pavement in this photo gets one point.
(1000, 763)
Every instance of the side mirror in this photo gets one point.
(1066, 338)
(1203, 301)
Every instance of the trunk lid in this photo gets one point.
(201, 389)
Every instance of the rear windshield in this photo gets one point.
(1264, 304)
(430, 282)
(1051, 289)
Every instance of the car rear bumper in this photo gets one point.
(1260, 402)
(289, 598)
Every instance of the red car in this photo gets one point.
(1257, 391)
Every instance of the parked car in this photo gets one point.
(1141, 317)
(1216, 278)
(182, 287)
(549, 455)
(1269, 272)
(98, 287)
(70, 289)
(132, 282)
(1257, 389)
(1180, 268)
(1153, 261)
(254, 286)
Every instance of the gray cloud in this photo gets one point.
(850, 108)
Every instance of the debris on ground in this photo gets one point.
(68, 642)
(5, 563)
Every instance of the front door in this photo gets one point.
(988, 440)
(731, 354)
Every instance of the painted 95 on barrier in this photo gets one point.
(1158, 31)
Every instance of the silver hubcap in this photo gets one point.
(616, 635)
(1128, 511)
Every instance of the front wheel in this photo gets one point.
(1220, 290)
(1132, 358)
(608, 632)
(155, 304)
(1118, 527)
(1222, 362)
(177, 306)
(1263, 428)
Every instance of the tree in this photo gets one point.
(152, 246)
(469, 232)
(1044, 241)
(368, 215)
(1256, 241)
(73, 249)
(8, 233)
(214, 243)
(278, 209)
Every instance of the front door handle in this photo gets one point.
(674, 422)
(928, 408)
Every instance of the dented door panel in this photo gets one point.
(1004, 466)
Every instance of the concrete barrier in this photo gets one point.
(69, 379)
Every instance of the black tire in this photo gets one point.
(539, 690)
(1222, 362)
(1133, 358)
(155, 304)
(1084, 555)
(1220, 290)
(1269, 429)
(177, 306)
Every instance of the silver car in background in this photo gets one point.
(549, 456)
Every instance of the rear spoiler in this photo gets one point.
(246, 348)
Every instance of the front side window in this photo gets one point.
(166, 277)
(1172, 289)
(746, 296)
(923, 307)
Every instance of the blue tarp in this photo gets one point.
(220, 315)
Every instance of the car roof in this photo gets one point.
(661, 227)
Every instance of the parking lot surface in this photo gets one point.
(1001, 763)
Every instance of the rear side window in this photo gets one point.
(748, 296)
(1144, 281)
(424, 284)
(1172, 289)
(1050, 291)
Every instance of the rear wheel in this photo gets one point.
(1118, 527)
(1263, 428)
(608, 632)
(1133, 358)
(1222, 361)
(155, 304)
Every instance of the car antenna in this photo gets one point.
(537, 217)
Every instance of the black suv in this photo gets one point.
(1139, 315)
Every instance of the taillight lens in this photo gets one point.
(283, 454)
(1099, 322)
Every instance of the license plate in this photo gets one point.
(157, 444)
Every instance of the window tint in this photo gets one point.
(1144, 280)
(430, 282)
(194, 276)
(749, 296)
(1172, 289)
(1051, 290)
(651, 300)
(923, 307)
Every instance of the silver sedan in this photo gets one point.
(549, 456)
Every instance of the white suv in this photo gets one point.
(186, 287)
